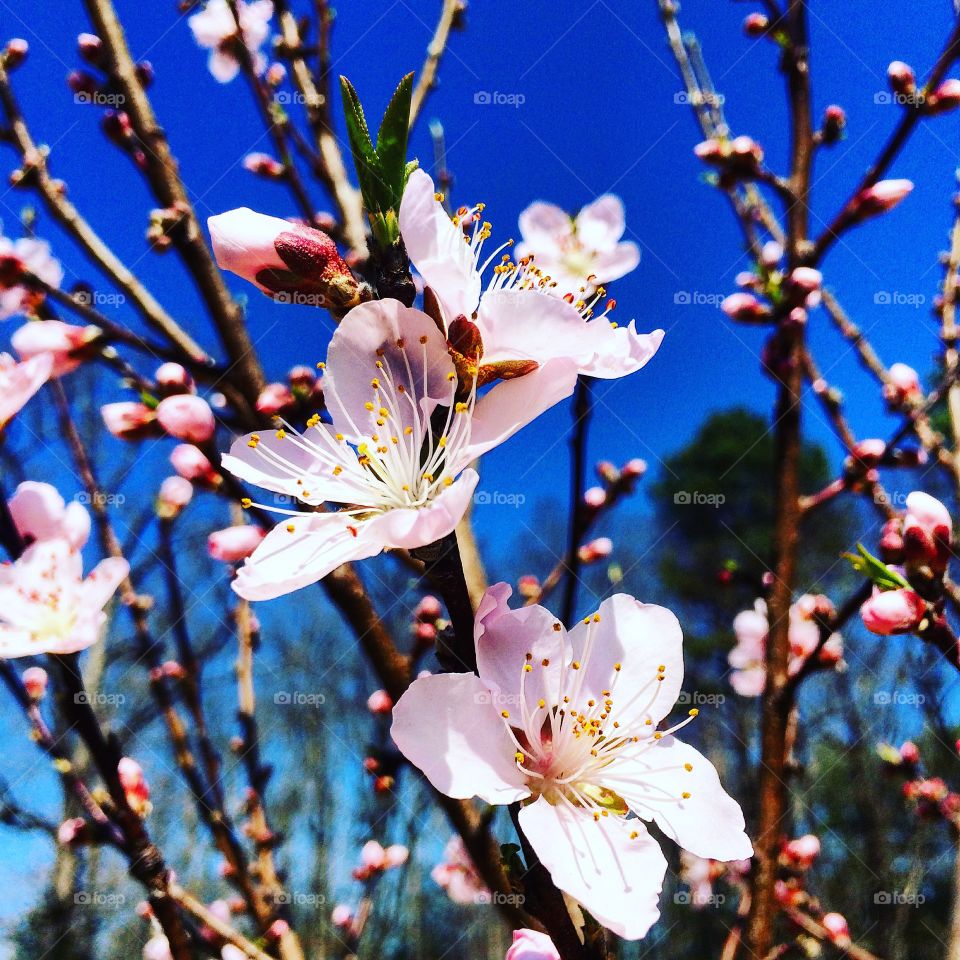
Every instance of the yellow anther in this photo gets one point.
(246, 503)
(505, 714)
(596, 618)
(518, 756)
(557, 627)
(281, 434)
(575, 664)
(618, 667)
(375, 383)
(694, 712)
(527, 668)
(368, 405)
(290, 528)
(321, 366)
(658, 736)
(634, 834)
(337, 470)
(685, 795)
(541, 703)
(688, 767)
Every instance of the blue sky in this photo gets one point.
(599, 113)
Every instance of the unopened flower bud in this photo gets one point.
(879, 198)
(909, 752)
(275, 75)
(175, 493)
(282, 258)
(89, 46)
(194, 465)
(745, 308)
(607, 472)
(634, 468)
(35, 682)
(890, 612)
(187, 417)
(15, 53)
(891, 541)
(379, 702)
(383, 784)
(903, 383)
(927, 530)
(595, 550)
(836, 927)
(834, 123)
(234, 544)
(428, 609)
(755, 25)
(341, 916)
(134, 786)
(263, 165)
(595, 497)
(172, 378)
(770, 255)
(528, 586)
(903, 81)
(801, 853)
(945, 98)
(278, 929)
(73, 832)
(276, 399)
(70, 345)
(870, 452)
(128, 420)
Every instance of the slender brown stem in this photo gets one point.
(428, 72)
(578, 481)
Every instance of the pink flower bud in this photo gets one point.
(187, 417)
(634, 468)
(234, 544)
(927, 529)
(15, 53)
(891, 541)
(909, 752)
(770, 255)
(755, 25)
(66, 342)
(902, 79)
(278, 929)
(173, 378)
(396, 855)
(72, 832)
(744, 308)
(834, 123)
(89, 47)
(379, 702)
(281, 258)
(879, 198)
(274, 399)
(945, 97)
(263, 165)
(192, 464)
(531, 945)
(428, 609)
(128, 419)
(341, 916)
(528, 586)
(802, 852)
(373, 856)
(806, 279)
(134, 785)
(275, 75)
(35, 681)
(595, 550)
(893, 611)
(870, 452)
(157, 948)
(175, 494)
(595, 497)
(424, 633)
(606, 471)
(836, 927)
(302, 378)
(903, 383)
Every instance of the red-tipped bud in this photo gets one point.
(128, 420)
(175, 493)
(945, 98)
(172, 378)
(187, 417)
(879, 198)
(15, 53)
(890, 612)
(756, 25)
(276, 399)
(745, 308)
(263, 165)
(35, 682)
(903, 81)
(834, 123)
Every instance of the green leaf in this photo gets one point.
(361, 146)
(875, 569)
(392, 140)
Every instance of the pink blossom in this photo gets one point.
(45, 604)
(458, 876)
(893, 611)
(454, 727)
(192, 463)
(755, 25)
(175, 494)
(264, 165)
(187, 417)
(745, 308)
(20, 381)
(215, 28)
(903, 383)
(909, 752)
(578, 252)
(428, 609)
(945, 97)
(64, 342)
(282, 258)
(234, 544)
(388, 369)
(634, 468)
(15, 53)
(902, 78)
(17, 256)
(802, 852)
(173, 378)
(596, 550)
(379, 702)
(35, 682)
(40, 513)
(531, 945)
(275, 398)
(836, 927)
(341, 915)
(521, 326)
(128, 419)
(134, 785)
(595, 497)
(927, 530)
(879, 198)
(72, 831)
